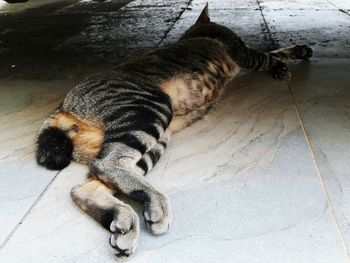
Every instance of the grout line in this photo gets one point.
(171, 27)
(274, 45)
(318, 172)
(339, 9)
(13, 231)
(310, 146)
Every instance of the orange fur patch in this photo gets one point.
(87, 136)
(178, 90)
(190, 91)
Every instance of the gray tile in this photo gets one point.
(247, 23)
(242, 184)
(76, 39)
(225, 4)
(327, 31)
(322, 92)
(134, 28)
(294, 5)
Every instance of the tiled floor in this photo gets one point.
(324, 107)
(24, 104)
(264, 178)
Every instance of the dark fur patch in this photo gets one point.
(154, 156)
(143, 165)
(54, 149)
(139, 195)
(106, 217)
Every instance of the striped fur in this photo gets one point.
(120, 123)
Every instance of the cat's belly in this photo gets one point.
(191, 91)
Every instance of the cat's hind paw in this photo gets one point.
(281, 72)
(303, 51)
(157, 214)
(125, 232)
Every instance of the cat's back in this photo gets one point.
(184, 56)
(106, 96)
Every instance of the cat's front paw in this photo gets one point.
(280, 71)
(303, 51)
(125, 232)
(157, 214)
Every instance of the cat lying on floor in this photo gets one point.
(119, 123)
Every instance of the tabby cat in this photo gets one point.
(119, 123)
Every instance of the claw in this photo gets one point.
(125, 232)
(157, 215)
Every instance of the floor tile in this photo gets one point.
(344, 6)
(329, 37)
(323, 97)
(244, 19)
(23, 106)
(225, 4)
(244, 188)
(88, 37)
(242, 182)
(297, 5)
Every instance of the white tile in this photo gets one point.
(23, 107)
(21, 184)
(344, 6)
(322, 92)
(242, 186)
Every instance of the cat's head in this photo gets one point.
(204, 16)
(202, 21)
(203, 27)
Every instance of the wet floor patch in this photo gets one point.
(72, 39)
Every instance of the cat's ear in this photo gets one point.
(204, 16)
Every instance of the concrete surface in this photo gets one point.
(265, 177)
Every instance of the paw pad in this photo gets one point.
(305, 52)
(125, 232)
(157, 215)
(280, 72)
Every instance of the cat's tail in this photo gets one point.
(64, 137)
(53, 148)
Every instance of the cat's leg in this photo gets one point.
(286, 55)
(293, 52)
(180, 122)
(116, 168)
(151, 157)
(252, 59)
(97, 199)
(275, 61)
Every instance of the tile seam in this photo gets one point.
(339, 9)
(172, 26)
(340, 234)
(13, 231)
(319, 175)
(273, 42)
